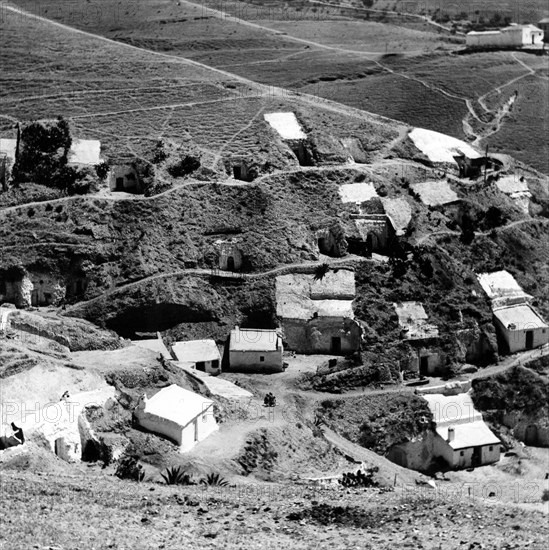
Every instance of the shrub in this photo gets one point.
(360, 479)
(177, 476)
(129, 468)
(102, 170)
(214, 480)
(184, 167)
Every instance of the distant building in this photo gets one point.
(544, 26)
(521, 327)
(514, 36)
(518, 324)
(422, 336)
(229, 255)
(317, 315)
(124, 177)
(178, 414)
(202, 355)
(375, 232)
(462, 438)
(255, 350)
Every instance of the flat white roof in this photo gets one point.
(253, 339)
(399, 212)
(519, 317)
(440, 147)
(85, 151)
(154, 345)
(512, 185)
(194, 351)
(82, 151)
(409, 312)
(413, 317)
(299, 296)
(476, 33)
(177, 404)
(501, 284)
(458, 412)
(286, 124)
(435, 193)
(357, 192)
(8, 146)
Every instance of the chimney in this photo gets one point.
(451, 434)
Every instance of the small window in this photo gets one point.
(261, 358)
(462, 453)
(491, 448)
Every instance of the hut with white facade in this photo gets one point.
(202, 355)
(178, 414)
(462, 438)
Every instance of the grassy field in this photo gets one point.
(327, 52)
(521, 12)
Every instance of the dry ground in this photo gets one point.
(85, 512)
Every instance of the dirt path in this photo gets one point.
(223, 274)
(388, 12)
(506, 227)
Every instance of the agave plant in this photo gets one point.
(321, 271)
(176, 476)
(214, 480)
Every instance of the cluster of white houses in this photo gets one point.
(520, 326)
(513, 36)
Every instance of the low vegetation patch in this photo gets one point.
(377, 422)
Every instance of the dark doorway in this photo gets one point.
(215, 364)
(230, 263)
(476, 459)
(237, 172)
(531, 435)
(369, 244)
(336, 344)
(529, 339)
(424, 366)
(200, 365)
(119, 184)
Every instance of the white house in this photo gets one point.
(201, 355)
(256, 350)
(462, 438)
(181, 415)
(317, 315)
(514, 36)
(521, 327)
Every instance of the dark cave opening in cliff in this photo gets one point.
(155, 317)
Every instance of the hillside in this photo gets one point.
(390, 63)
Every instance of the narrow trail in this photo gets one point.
(103, 195)
(385, 12)
(506, 227)
(222, 274)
